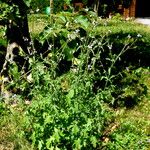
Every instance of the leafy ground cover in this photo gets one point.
(87, 86)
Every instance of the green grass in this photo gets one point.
(133, 124)
(138, 116)
(131, 128)
(11, 131)
(37, 23)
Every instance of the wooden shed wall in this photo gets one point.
(131, 11)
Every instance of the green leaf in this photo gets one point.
(27, 2)
(14, 71)
(77, 144)
(75, 129)
(93, 141)
(57, 148)
(70, 94)
(47, 120)
(76, 61)
(40, 145)
(56, 135)
(68, 53)
(49, 143)
(82, 20)
(61, 19)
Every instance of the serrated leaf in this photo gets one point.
(40, 145)
(75, 129)
(77, 144)
(93, 141)
(47, 120)
(70, 94)
(56, 134)
(49, 143)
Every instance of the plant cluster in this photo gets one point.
(75, 78)
(73, 83)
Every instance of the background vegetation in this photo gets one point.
(86, 86)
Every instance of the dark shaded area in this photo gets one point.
(17, 26)
(138, 55)
(142, 8)
(63, 67)
(17, 30)
(105, 8)
(2, 55)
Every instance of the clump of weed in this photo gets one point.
(71, 84)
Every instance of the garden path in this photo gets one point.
(145, 21)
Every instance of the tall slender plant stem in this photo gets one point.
(51, 10)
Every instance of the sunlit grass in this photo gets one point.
(11, 130)
(137, 117)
